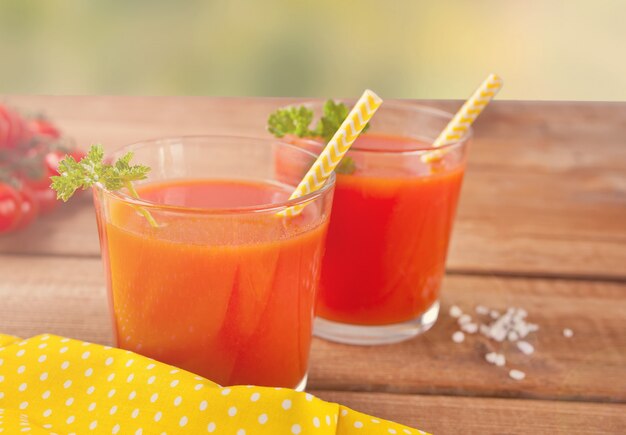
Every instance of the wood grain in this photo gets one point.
(66, 296)
(541, 225)
(63, 296)
(590, 366)
(548, 136)
(545, 191)
(462, 415)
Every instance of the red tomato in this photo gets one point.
(43, 127)
(29, 207)
(40, 188)
(46, 199)
(52, 160)
(10, 208)
(13, 129)
(42, 182)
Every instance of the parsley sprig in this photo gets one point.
(92, 169)
(297, 121)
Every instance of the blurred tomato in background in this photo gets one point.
(30, 150)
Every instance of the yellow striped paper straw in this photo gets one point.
(467, 114)
(338, 146)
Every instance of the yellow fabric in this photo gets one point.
(54, 385)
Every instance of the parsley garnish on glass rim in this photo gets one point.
(297, 121)
(92, 169)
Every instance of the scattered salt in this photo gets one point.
(484, 330)
(525, 347)
(522, 330)
(465, 318)
(518, 375)
(532, 327)
(500, 360)
(482, 310)
(458, 337)
(455, 311)
(495, 358)
(510, 325)
(498, 333)
(470, 328)
(568, 333)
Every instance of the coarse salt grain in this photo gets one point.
(499, 328)
(525, 347)
(568, 333)
(455, 311)
(458, 337)
(498, 333)
(465, 318)
(470, 328)
(518, 375)
(522, 330)
(500, 360)
(482, 310)
(510, 325)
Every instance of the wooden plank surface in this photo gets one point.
(545, 191)
(541, 225)
(62, 296)
(66, 296)
(464, 415)
(590, 366)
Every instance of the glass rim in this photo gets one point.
(421, 108)
(261, 208)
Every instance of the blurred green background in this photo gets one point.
(544, 49)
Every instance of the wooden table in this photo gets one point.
(541, 225)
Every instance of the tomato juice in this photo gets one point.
(389, 232)
(387, 240)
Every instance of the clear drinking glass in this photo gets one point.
(222, 286)
(392, 219)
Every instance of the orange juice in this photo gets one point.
(228, 296)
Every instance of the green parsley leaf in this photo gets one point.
(92, 169)
(329, 123)
(297, 120)
(291, 120)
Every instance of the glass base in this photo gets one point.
(302, 384)
(370, 335)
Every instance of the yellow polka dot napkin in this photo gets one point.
(53, 385)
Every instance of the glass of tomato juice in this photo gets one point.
(389, 234)
(223, 286)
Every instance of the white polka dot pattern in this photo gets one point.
(52, 385)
